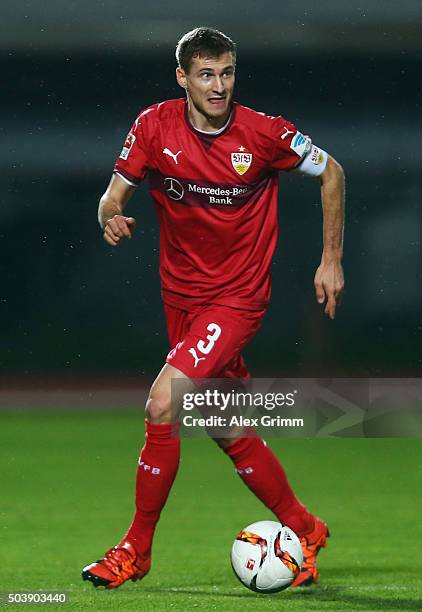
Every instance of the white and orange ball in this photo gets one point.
(266, 556)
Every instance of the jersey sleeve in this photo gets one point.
(132, 163)
(290, 145)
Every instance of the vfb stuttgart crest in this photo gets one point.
(241, 162)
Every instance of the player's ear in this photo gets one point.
(181, 77)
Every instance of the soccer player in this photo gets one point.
(212, 166)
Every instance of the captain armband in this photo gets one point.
(314, 162)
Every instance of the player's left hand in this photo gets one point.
(329, 285)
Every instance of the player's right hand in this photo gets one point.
(119, 227)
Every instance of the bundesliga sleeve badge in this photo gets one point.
(130, 139)
(241, 162)
(301, 144)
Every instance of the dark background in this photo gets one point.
(74, 76)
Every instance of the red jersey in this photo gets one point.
(216, 199)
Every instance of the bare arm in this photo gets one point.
(329, 279)
(110, 209)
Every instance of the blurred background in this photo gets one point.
(75, 74)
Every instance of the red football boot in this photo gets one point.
(119, 564)
(311, 544)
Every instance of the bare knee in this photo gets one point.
(158, 408)
(161, 406)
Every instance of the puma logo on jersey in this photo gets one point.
(192, 351)
(170, 154)
(286, 133)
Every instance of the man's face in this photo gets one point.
(209, 84)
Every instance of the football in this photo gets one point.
(266, 556)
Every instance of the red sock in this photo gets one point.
(261, 471)
(157, 468)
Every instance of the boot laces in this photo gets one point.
(119, 561)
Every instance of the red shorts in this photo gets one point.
(207, 340)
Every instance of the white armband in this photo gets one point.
(314, 163)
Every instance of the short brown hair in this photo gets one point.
(203, 42)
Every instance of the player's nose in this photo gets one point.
(218, 86)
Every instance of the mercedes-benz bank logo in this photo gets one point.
(174, 188)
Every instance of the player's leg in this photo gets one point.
(262, 472)
(156, 471)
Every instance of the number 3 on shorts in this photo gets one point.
(212, 339)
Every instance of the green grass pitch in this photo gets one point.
(67, 495)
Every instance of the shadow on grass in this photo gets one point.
(332, 594)
(359, 601)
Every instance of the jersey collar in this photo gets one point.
(207, 135)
